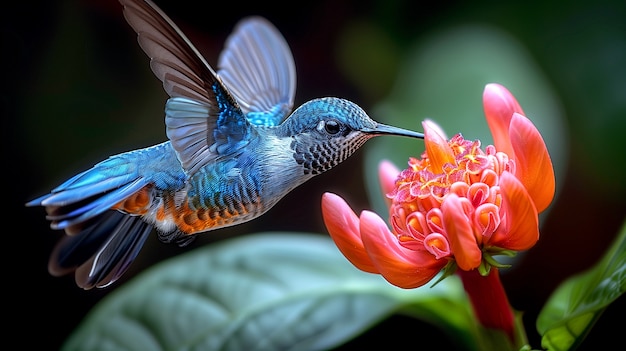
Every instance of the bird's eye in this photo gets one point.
(332, 126)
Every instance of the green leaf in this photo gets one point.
(576, 305)
(262, 291)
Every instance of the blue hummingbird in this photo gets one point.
(235, 149)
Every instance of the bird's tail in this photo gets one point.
(99, 210)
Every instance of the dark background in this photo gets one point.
(77, 88)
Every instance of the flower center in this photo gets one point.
(468, 172)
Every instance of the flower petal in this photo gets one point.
(437, 244)
(437, 148)
(343, 227)
(499, 105)
(533, 164)
(400, 266)
(458, 226)
(387, 175)
(522, 225)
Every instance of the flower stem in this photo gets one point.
(489, 300)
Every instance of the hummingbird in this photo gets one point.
(234, 148)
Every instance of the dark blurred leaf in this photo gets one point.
(584, 52)
(576, 305)
(264, 291)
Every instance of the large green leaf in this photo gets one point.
(577, 304)
(263, 291)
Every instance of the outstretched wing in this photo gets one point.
(203, 119)
(258, 68)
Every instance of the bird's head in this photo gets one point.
(327, 131)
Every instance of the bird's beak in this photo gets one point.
(383, 129)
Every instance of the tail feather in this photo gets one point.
(103, 236)
(96, 207)
(101, 252)
(113, 166)
(91, 192)
(67, 195)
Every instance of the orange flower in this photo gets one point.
(458, 205)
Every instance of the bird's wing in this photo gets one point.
(258, 68)
(204, 121)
